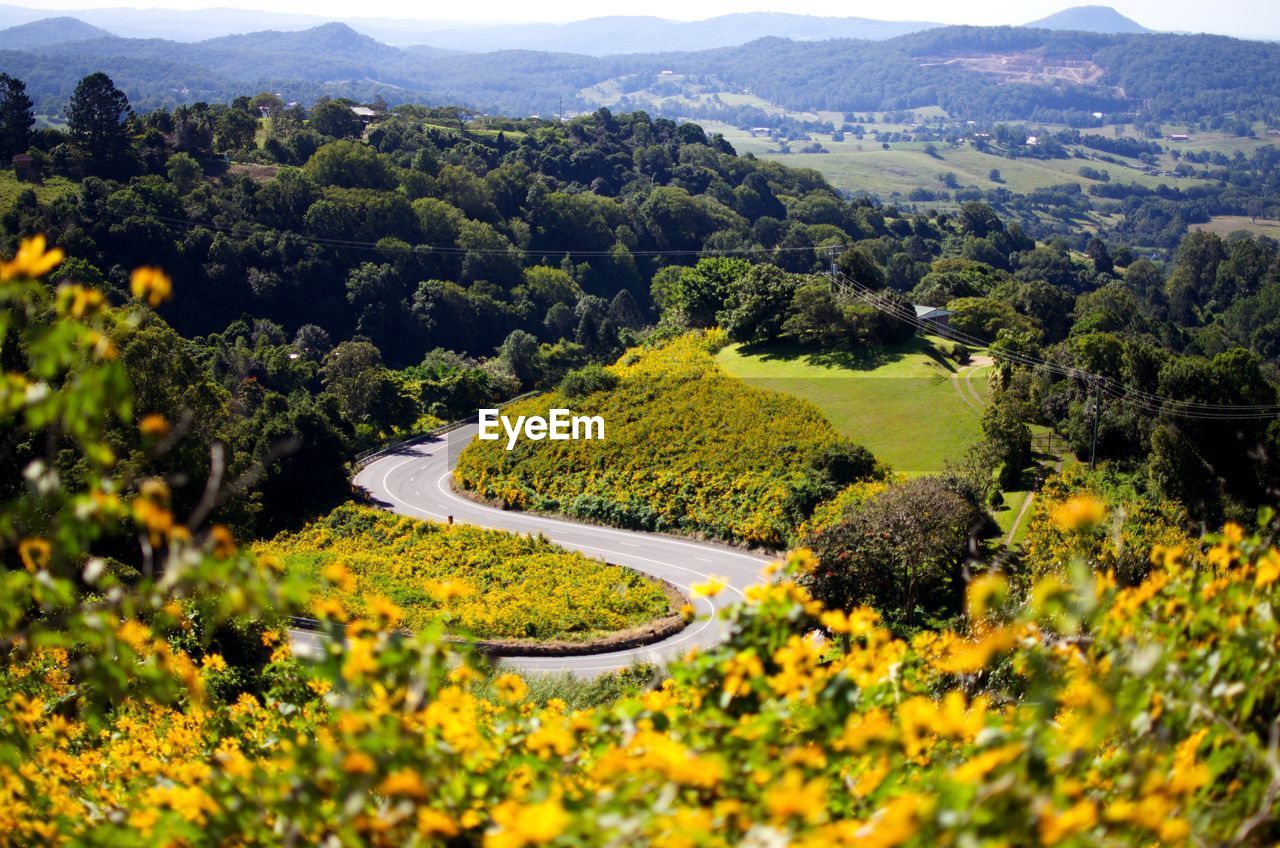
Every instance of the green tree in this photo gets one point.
(336, 120)
(519, 354)
(900, 551)
(757, 304)
(16, 118)
(351, 165)
(183, 171)
(97, 117)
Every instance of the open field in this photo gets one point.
(854, 165)
(1225, 225)
(901, 404)
(48, 189)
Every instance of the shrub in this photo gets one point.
(899, 551)
(587, 380)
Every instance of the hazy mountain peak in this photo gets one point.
(49, 31)
(1090, 19)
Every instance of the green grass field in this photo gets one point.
(864, 165)
(901, 404)
(1225, 225)
(51, 188)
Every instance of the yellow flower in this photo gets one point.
(511, 688)
(31, 260)
(358, 762)
(1082, 512)
(78, 301)
(359, 660)
(403, 783)
(710, 588)
(154, 426)
(795, 798)
(985, 591)
(35, 554)
(1056, 826)
(214, 662)
(435, 823)
(1268, 569)
(151, 285)
(527, 824)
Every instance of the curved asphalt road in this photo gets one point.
(415, 480)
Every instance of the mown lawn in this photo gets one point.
(901, 403)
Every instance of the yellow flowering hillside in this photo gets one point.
(1087, 715)
(485, 583)
(688, 448)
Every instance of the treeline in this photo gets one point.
(341, 286)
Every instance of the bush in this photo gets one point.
(587, 380)
(961, 353)
(899, 552)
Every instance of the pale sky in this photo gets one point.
(1250, 18)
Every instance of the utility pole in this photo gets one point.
(1097, 413)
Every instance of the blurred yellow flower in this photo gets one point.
(1082, 512)
(31, 260)
(526, 824)
(34, 553)
(511, 688)
(154, 426)
(710, 588)
(151, 285)
(1056, 826)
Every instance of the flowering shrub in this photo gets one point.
(1101, 518)
(1089, 714)
(485, 583)
(687, 448)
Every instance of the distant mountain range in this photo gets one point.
(600, 36)
(993, 73)
(1090, 19)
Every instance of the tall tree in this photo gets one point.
(16, 118)
(96, 116)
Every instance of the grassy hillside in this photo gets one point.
(47, 190)
(911, 406)
(688, 448)
(864, 165)
(1225, 225)
(486, 583)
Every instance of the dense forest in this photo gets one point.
(1146, 73)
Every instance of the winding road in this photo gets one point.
(414, 479)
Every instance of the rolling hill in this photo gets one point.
(1090, 19)
(48, 31)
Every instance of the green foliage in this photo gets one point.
(899, 551)
(587, 380)
(96, 118)
(16, 118)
